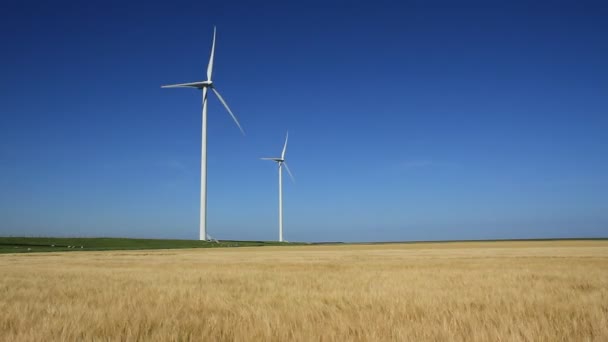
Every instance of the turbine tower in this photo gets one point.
(281, 161)
(204, 86)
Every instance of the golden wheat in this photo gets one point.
(486, 291)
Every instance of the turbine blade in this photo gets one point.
(186, 85)
(285, 146)
(210, 65)
(228, 109)
(273, 159)
(289, 172)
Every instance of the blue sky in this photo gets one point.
(408, 120)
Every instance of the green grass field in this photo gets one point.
(51, 244)
(43, 244)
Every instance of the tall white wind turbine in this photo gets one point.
(281, 161)
(204, 86)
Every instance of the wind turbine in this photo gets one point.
(281, 162)
(204, 86)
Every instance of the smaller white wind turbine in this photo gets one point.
(281, 162)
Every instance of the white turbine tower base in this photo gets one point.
(204, 86)
(281, 161)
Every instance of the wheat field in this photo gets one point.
(474, 291)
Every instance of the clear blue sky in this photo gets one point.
(407, 120)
